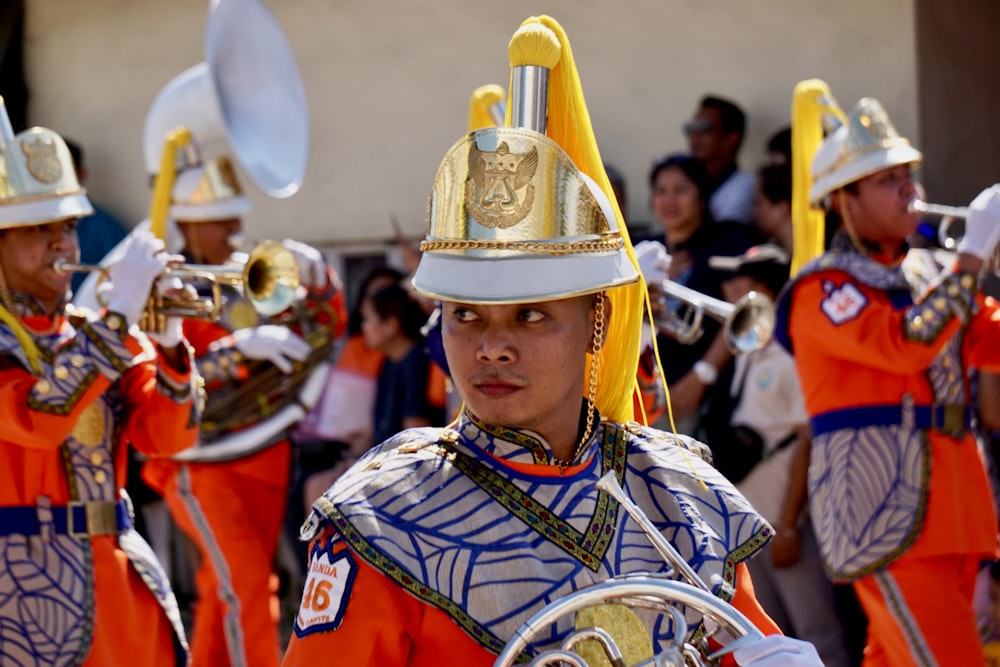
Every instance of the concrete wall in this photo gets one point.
(388, 83)
(959, 88)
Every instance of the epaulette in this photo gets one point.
(685, 442)
(79, 316)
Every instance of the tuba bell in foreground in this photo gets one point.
(658, 592)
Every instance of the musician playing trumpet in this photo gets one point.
(439, 543)
(883, 340)
(233, 509)
(77, 389)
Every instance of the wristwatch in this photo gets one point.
(705, 372)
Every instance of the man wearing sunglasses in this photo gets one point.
(715, 135)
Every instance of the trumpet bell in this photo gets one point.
(751, 324)
(270, 278)
(748, 324)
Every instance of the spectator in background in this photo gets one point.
(765, 452)
(715, 135)
(340, 429)
(779, 147)
(98, 233)
(391, 321)
(680, 186)
(772, 211)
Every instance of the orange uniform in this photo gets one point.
(70, 555)
(234, 510)
(898, 491)
(432, 546)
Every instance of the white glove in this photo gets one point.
(272, 343)
(777, 651)
(982, 225)
(173, 330)
(654, 262)
(133, 274)
(312, 266)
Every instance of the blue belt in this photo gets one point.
(78, 519)
(950, 419)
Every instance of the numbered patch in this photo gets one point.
(844, 303)
(327, 590)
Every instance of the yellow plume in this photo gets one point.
(483, 99)
(24, 338)
(569, 126)
(534, 44)
(810, 102)
(163, 184)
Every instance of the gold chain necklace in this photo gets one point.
(595, 369)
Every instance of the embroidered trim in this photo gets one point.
(391, 569)
(68, 403)
(89, 604)
(587, 547)
(908, 624)
(539, 455)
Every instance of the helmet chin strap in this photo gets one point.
(848, 223)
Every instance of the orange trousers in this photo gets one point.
(920, 613)
(235, 520)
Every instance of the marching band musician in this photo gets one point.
(77, 389)
(439, 543)
(883, 338)
(236, 617)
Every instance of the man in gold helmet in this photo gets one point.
(439, 543)
(77, 389)
(883, 338)
(236, 618)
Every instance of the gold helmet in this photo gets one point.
(526, 213)
(831, 149)
(512, 220)
(868, 142)
(208, 191)
(37, 178)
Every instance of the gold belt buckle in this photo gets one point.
(953, 419)
(101, 518)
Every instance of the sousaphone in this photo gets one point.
(247, 98)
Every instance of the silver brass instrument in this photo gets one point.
(748, 324)
(657, 592)
(951, 228)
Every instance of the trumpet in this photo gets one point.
(748, 323)
(268, 276)
(648, 591)
(951, 228)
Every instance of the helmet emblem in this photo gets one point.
(43, 162)
(498, 192)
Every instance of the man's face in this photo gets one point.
(879, 209)
(27, 255)
(210, 240)
(520, 366)
(706, 139)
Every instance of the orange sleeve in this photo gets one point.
(745, 601)
(840, 318)
(982, 336)
(25, 426)
(163, 411)
(40, 412)
(373, 622)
